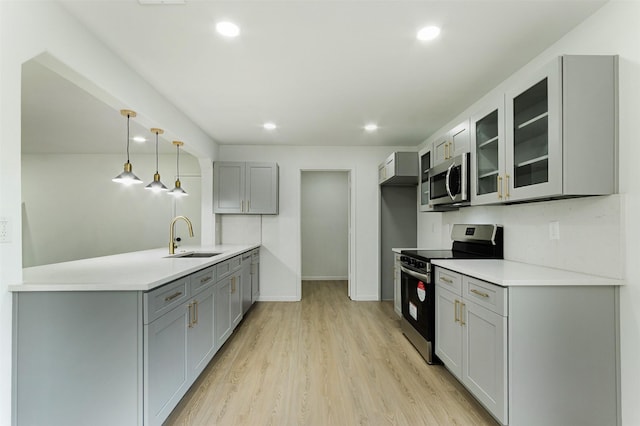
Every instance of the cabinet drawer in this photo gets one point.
(161, 300)
(227, 267)
(201, 280)
(491, 296)
(449, 280)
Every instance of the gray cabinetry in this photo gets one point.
(400, 168)
(246, 282)
(255, 275)
(531, 355)
(551, 135)
(452, 143)
(235, 298)
(397, 282)
(245, 188)
(222, 323)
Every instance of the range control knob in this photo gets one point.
(421, 265)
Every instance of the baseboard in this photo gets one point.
(278, 299)
(316, 278)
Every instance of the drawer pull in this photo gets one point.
(173, 296)
(205, 279)
(446, 280)
(479, 293)
(455, 311)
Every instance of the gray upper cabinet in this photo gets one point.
(551, 136)
(452, 143)
(245, 188)
(400, 168)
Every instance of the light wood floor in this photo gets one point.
(324, 361)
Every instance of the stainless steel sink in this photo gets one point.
(195, 254)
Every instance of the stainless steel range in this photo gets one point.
(418, 288)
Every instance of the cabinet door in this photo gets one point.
(201, 339)
(222, 315)
(166, 377)
(440, 151)
(425, 165)
(255, 276)
(235, 299)
(484, 349)
(533, 135)
(488, 154)
(448, 330)
(246, 282)
(459, 139)
(228, 187)
(262, 188)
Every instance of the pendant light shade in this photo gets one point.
(177, 191)
(127, 177)
(156, 185)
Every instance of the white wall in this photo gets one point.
(28, 29)
(72, 210)
(280, 261)
(598, 235)
(324, 225)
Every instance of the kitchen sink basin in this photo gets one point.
(195, 254)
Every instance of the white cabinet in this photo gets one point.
(400, 168)
(471, 337)
(454, 142)
(245, 188)
(397, 283)
(551, 135)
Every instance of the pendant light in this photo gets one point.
(156, 185)
(177, 191)
(127, 177)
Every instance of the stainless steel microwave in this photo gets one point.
(449, 181)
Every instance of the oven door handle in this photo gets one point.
(415, 274)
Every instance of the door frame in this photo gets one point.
(351, 212)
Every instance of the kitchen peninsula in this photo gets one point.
(119, 339)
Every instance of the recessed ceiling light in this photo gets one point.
(227, 29)
(428, 33)
(270, 125)
(139, 139)
(371, 127)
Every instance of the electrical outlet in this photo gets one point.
(5, 236)
(554, 230)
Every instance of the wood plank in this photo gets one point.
(324, 361)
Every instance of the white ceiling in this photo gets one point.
(322, 69)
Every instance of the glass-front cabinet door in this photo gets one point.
(425, 165)
(533, 136)
(488, 154)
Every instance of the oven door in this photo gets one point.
(418, 305)
(450, 181)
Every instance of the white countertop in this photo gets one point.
(137, 271)
(507, 273)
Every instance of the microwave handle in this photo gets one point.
(447, 181)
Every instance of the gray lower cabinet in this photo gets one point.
(119, 357)
(397, 281)
(531, 355)
(255, 275)
(246, 282)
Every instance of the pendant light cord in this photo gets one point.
(178, 162)
(128, 116)
(156, 152)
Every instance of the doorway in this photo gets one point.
(325, 218)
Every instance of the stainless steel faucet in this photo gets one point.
(172, 230)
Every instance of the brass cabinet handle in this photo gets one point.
(195, 309)
(455, 311)
(190, 315)
(479, 293)
(205, 279)
(173, 296)
(499, 186)
(507, 182)
(462, 305)
(446, 280)
(446, 151)
(233, 285)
